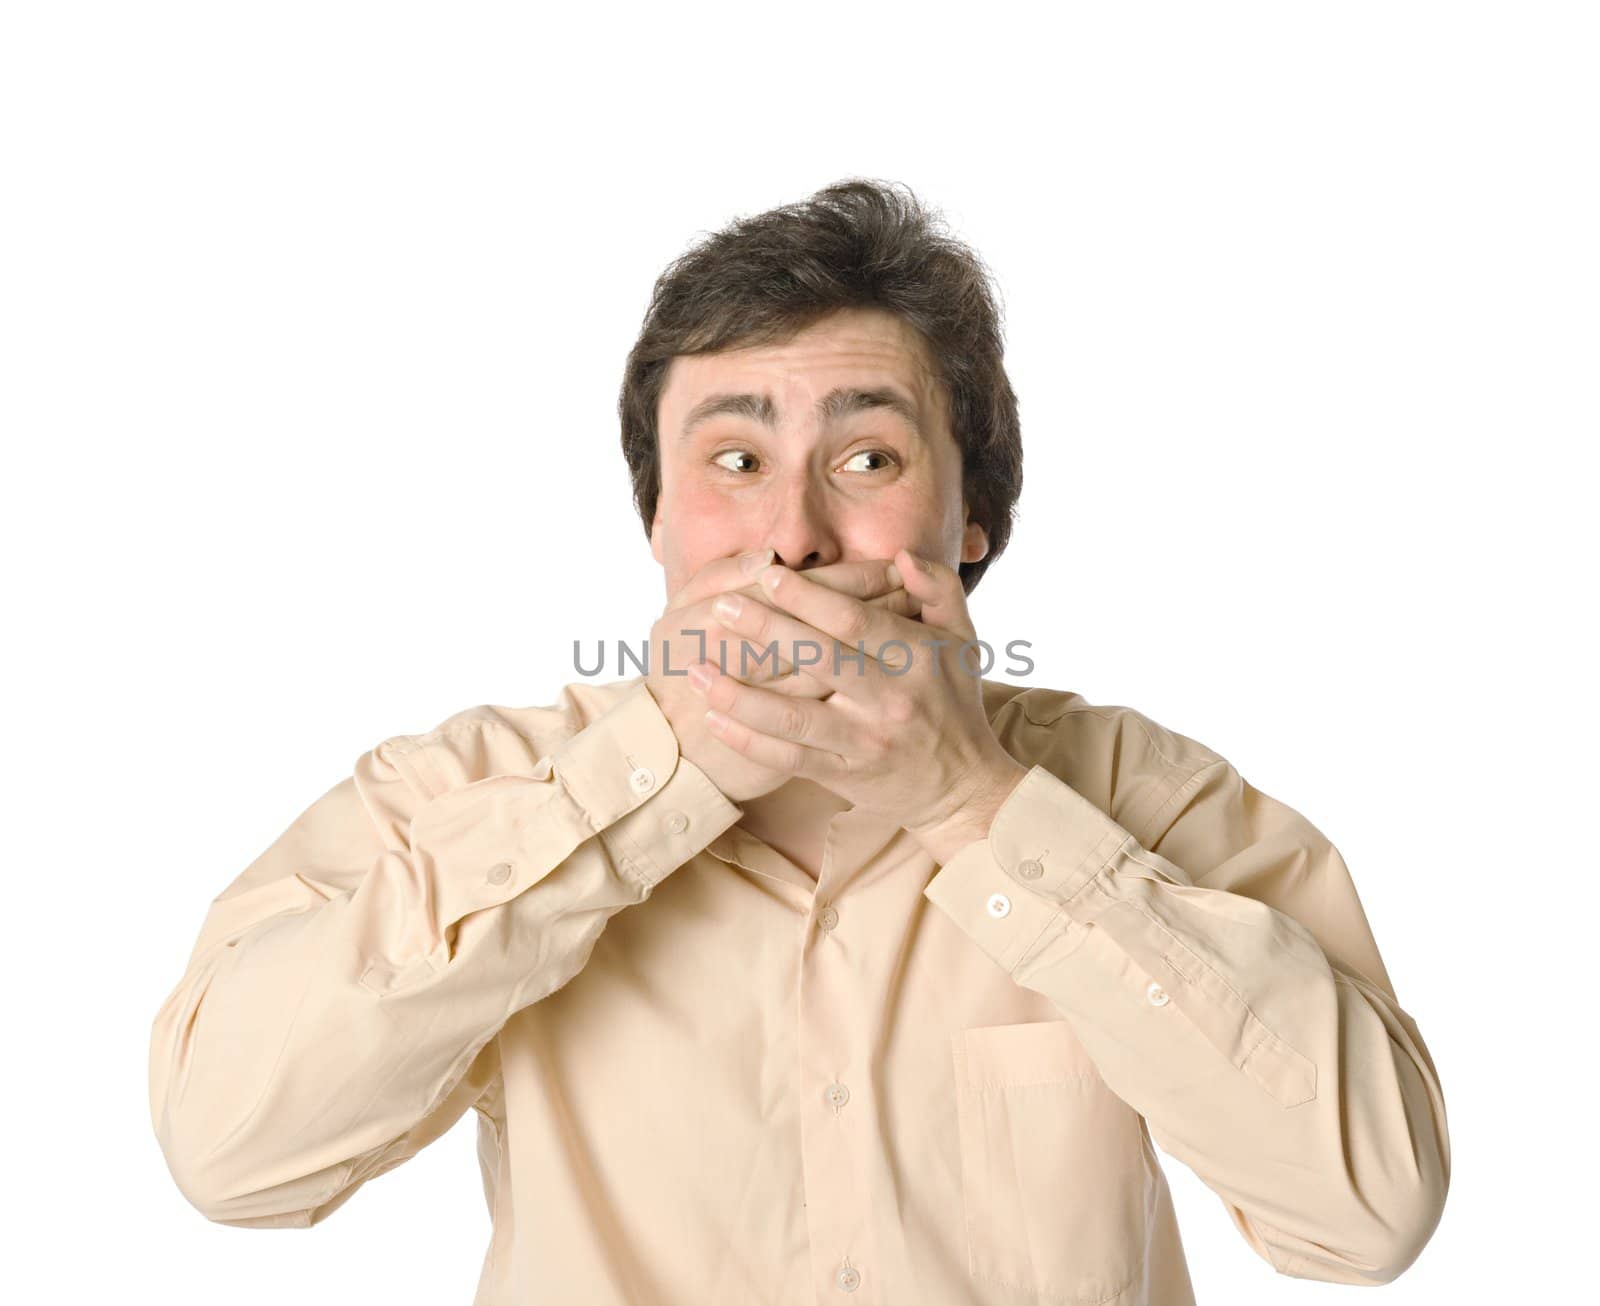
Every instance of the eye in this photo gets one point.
(872, 453)
(735, 453)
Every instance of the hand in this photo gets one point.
(688, 630)
(907, 737)
(864, 580)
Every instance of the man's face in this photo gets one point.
(834, 446)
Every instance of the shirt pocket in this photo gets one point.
(1053, 1172)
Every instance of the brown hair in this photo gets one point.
(855, 244)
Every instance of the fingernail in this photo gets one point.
(728, 606)
(699, 675)
(923, 564)
(894, 575)
(751, 563)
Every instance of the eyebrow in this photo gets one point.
(837, 403)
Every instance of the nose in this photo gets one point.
(800, 529)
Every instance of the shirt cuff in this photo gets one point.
(620, 777)
(685, 815)
(1046, 844)
(653, 808)
(620, 759)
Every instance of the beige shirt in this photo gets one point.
(703, 1076)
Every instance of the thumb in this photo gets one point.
(944, 600)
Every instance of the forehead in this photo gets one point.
(856, 346)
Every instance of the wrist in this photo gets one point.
(971, 821)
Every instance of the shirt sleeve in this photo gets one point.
(1225, 981)
(338, 1008)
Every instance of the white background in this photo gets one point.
(314, 317)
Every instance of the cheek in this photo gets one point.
(914, 520)
(700, 525)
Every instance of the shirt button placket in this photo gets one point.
(838, 1220)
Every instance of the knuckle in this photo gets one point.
(898, 707)
(857, 622)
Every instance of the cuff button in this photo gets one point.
(999, 905)
(1158, 996)
(1030, 869)
(500, 872)
(677, 823)
(643, 780)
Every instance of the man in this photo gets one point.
(857, 977)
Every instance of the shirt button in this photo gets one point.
(837, 1095)
(643, 780)
(999, 905)
(1158, 996)
(500, 872)
(848, 1279)
(677, 823)
(827, 918)
(1030, 869)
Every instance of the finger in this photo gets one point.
(814, 613)
(785, 681)
(851, 670)
(805, 722)
(900, 601)
(861, 579)
(864, 579)
(715, 641)
(774, 754)
(858, 577)
(944, 599)
(720, 575)
(764, 750)
(721, 643)
(792, 684)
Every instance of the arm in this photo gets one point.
(337, 1011)
(1224, 979)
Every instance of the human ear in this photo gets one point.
(974, 542)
